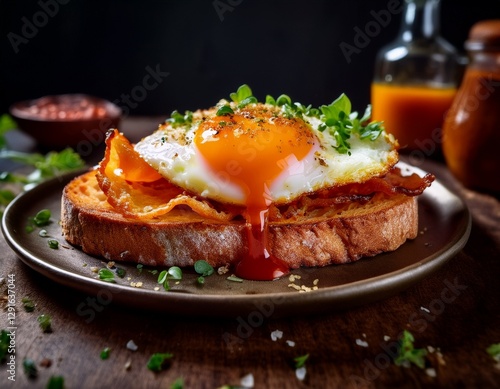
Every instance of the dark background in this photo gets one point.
(104, 47)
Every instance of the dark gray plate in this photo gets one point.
(444, 224)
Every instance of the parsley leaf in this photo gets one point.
(177, 119)
(158, 361)
(6, 124)
(29, 368)
(55, 382)
(225, 110)
(45, 323)
(106, 275)
(241, 94)
(408, 354)
(204, 269)
(4, 345)
(494, 351)
(173, 273)
(300, 361)
(105, 353)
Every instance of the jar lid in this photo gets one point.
(484, 35)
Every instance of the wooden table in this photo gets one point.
(348, 349)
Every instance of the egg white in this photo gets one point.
(173, 153)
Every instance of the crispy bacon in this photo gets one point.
(137, 190)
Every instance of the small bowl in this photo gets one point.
(69, 120)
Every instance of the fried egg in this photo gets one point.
(257, 155)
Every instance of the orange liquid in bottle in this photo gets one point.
(413, 114)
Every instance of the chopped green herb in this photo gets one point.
(120, 272)
(6, 124)
(225, 110)
(158, 361)
(243, 92)
(53, 244)
(29, 368)
(106, 275)
(28, 304)
(55, 382)
(45, 323)
(300, 361)
(177, 119)
(494, 351)
(407, 353)
(140, 267)
(42, 218)
(173, 273)
(4, 345)
(203, 268)
(177, 384)
(234, 279)
(105, 353)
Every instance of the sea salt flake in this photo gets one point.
(291, 343)
(131, 345)
(247, 381)
(300, 373)
(361, 343)
(275, 335)
(431, 372)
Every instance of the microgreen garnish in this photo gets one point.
(158, 361)
(120, 272)
(244, 93)
(105, 353)
(234, 279)
(225, 110)
(177, 119)
(28, 304)
(45, 323)
(300, 361)
(4, 344)
(204, 269)
(53, 244)
(407, 353)
(177, 384)
(494, 351)
(173, 273)
(42, 218)
(6, 124)
(29, 368)
(106, 275)
(55, 382)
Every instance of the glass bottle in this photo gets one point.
(471, 132)
(415, 79)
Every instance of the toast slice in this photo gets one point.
(182, 237)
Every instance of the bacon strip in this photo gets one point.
(136, 190)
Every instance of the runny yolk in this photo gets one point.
(250, 149)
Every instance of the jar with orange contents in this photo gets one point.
(415, 79)
(471, 132)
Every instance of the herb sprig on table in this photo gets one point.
(41, 167)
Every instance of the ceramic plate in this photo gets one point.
(444, 224)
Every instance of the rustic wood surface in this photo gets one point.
(454, 313)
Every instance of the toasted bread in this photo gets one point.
(182, 237)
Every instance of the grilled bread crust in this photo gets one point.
(182, 237)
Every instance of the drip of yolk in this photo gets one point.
(250, 149)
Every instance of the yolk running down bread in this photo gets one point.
(251, 154)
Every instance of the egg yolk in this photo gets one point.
(250, 149)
